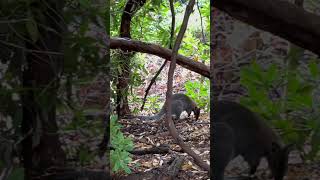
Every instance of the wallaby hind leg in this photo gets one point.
(218, 174)
(253, 163)
(189, 112)
(176, 115)
(223, 149)
(253, 169)
(176, 110)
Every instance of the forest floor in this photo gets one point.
(150, 134)
(196, 134)
(146, 134)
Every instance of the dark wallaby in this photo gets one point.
(180, 103)
(239, 131)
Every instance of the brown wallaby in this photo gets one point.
(239, 131)
(180, 103)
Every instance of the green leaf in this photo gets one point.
(127, 170)
(293, 84)
(313, 68)
(119, 160)
(306, 101)
(251, 76)
(271, 73)
(120, 157)
(306, 89)
(297, 101)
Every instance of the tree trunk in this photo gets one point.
(41, 147)
(103, 146)
(130, 9)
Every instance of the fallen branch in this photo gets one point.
(172, 171)
(162, 149)
(166, 172)
(143, 47)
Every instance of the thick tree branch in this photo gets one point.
(138, 46)
(279, 17)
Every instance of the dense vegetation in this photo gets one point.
(58, 79)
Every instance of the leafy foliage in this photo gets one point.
(199, 92)
(153, 103)
(84, 58)
(120, 157)
(137, 68)
(152, 23)
(285, 97)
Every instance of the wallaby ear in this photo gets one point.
(275, 147)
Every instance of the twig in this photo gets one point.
(153, 80)
(30, 50)
(12, 21)
(173, 23)
(203, 35)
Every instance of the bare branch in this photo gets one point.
(31, 50)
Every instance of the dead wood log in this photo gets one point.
(166, 172)
(162, 149)
(172, 171)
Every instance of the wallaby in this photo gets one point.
(223, 148)
(239, 131)
(180, 103)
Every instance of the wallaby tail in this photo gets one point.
(155, 117)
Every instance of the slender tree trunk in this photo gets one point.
(130, 9)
